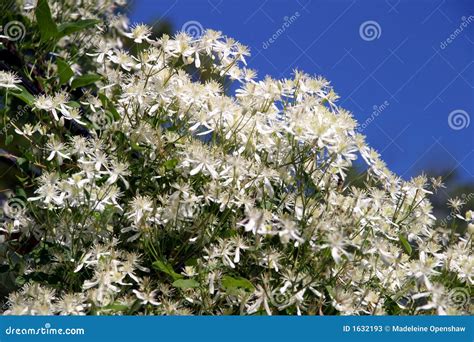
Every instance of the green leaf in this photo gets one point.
(85, 80)
(110, 106)
(135, 307)
(232, 284)
(166, 268)
(21, 193)
(76, 26)
(74, 104)
(135, 146)
(331, 291)
(23, 95)
(47, 26)
(20, 161)
(113, 111)
(170, 164)
(64, 71)
(8, 139)
(116, 307)
(406, 245)
(22, 179)
(20, 281)
(191, 262)
(186, 284)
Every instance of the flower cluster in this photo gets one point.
(185, 197)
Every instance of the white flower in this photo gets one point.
(9, 80)
(140, 207)
(246, 194)
(75, 115)
(239, 245)
(140, 32)
(255, 221)
(289, 231)
(57, 149)
(261, 300)
(117, 170)
(53, 104)
(123, 59)
(147, 297)
(27, 130)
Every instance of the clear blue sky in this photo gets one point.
(401, 67)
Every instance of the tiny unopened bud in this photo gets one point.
(470, 228)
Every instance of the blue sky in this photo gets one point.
(404, 68)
